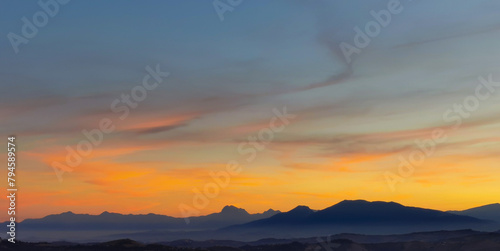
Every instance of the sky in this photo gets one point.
(354, 119)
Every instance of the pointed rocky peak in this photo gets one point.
(232, 210)
(271, 212)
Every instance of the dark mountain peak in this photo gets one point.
(380, 212)
(364, 213)
(348, 205)
(232, 210)
(68, 213)
(365, 203)
(352, 203)
(301, 209)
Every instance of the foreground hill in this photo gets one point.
(474, 241)
(358, 238)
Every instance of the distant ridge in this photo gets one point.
(295, 216)
(229, 215)
(486, 212)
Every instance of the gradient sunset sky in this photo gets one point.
(353, 120)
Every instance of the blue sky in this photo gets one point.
(225, 79)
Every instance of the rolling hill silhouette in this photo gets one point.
(486, 212)
(360, 212)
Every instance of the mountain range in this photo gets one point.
(359, 216)
(69, 221)
(364, 212)
(236, 224)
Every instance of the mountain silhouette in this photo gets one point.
(229, 215)
(486, 212)
(297, 215)
(236, 224)
(354, 216)
(363, 212)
